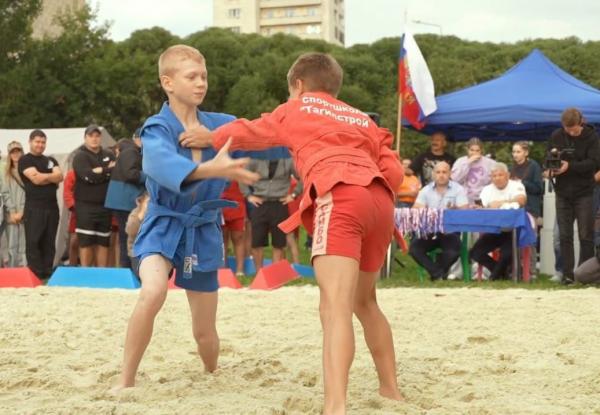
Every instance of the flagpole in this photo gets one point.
(399, 122)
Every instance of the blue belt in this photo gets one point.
(200, 214)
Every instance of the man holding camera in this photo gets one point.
(573, 158)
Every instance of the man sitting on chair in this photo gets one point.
(440, 193)
(502, 193)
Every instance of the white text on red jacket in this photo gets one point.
(335, 111)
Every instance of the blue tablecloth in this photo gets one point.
(491, 221)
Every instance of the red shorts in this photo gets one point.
(356, 222)
(237, 224)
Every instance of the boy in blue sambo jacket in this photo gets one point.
(181, 228)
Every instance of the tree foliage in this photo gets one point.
(83, 76)
(16, 17)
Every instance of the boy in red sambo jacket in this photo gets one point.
(350, 173)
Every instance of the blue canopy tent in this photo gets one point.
(525, 103)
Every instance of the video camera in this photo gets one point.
(555, 157)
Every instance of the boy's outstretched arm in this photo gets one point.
(224, 166)
(162, 163)
(259, 134)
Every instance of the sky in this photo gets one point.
(369, 20)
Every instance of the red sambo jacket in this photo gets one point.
(330, 141)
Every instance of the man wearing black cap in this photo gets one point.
(41, 176)
(93, 166)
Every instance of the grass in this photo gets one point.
(405, 275)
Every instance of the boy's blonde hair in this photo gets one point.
(172, 56)
(320, 72)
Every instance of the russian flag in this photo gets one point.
(415, 85)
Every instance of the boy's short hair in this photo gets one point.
(319, 72)
(172, 56)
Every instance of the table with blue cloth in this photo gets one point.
(492, 221)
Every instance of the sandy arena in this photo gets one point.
(460, 351)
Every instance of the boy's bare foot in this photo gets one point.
(391, 393)
(117, 389)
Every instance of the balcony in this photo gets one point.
(285, 21)
(267, 4)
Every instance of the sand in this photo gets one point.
(460, 351)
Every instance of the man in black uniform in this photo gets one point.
(577, 145)
(92, 165)
(41, 176)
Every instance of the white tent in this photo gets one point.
(60, 143)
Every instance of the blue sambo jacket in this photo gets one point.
(176, 209)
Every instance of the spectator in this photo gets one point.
(126, 184)
(132, 227)
(409, 189)
(441, 193)
(269, 195)
(422, 166)
(589, 271)
(577, 145)
(93, 166)
(3, 242)
(529, 173)
(69, 203)
(235, 225)
(292, 238)
(502, 193)
(473, 170)
(41, 176)
(13, 195)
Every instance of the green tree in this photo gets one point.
(249, 97)
(16, 17)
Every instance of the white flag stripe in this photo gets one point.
(422, 82)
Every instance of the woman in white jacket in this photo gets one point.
(13, 195)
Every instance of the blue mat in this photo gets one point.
(94, 278)
(305, 271)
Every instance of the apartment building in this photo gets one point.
(307, 19)
(45, 24)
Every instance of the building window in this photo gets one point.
(269, 14)
(234, 13)
(235, 29)
(312, 11)
(289, 12)
(313, 29)
(341, 37)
